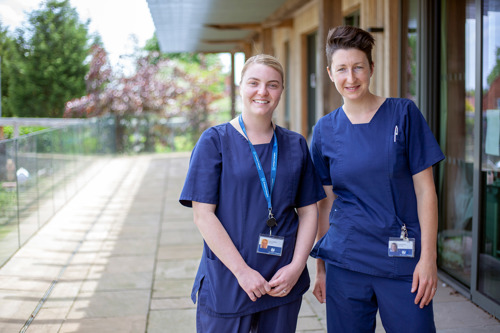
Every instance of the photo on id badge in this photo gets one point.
(398, 247)
(271, 245)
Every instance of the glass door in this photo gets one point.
(409, 50)
(489, 253)
(457, 88)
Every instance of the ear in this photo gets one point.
(329, 73)
(372, 69)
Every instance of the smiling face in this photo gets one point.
(260, 89)
(350, 71)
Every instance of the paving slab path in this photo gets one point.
(122, 254)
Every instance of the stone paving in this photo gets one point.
(121, 257)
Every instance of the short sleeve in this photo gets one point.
(310, 187)
(423, 149)
(321, 163)
(203, 176)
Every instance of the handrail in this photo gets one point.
(40, 172)
(17, 122)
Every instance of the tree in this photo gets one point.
(202, 78)
(99, 75)
(10, 58)
(161, 86)
(53, 49)
(203, 84)
(146, 90)
(152, 45)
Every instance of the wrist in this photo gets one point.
(240, 270)
(430, 256)
(320, 266)
(298, 264)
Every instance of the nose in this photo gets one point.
(262, 90)
(350, 76)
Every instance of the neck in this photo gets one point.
(362, 111)
(260, 130)
(258, 125)
(359, 107)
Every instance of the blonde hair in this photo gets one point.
(267, 60)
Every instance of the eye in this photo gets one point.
(252, 83)
(341, 69)
(274, 86)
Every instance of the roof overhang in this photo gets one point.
(209, 25)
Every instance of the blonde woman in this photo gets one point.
(251, 182)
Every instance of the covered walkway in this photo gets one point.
(121, 257)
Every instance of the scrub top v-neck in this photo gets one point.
(222, 172)
(370, 167)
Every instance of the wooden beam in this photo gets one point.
(235, 26)
(286, 23)
(222, 41)
(287, 10)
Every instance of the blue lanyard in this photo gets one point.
(274, 165)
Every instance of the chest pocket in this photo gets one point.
(398, 153)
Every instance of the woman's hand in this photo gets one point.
(287, 276)
(320, 283)
(217, 238)
(253, 283)
(425, 273)
(284, 280)
(324, 208)
(424, 281)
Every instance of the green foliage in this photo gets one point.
(183, 143)
(205, 60)
(10, 58)
(53, 48)
(8, 203)
(411, 70)
(183, 88)
(495, 72)
(8, 131)
(202, 84)
(152, 44)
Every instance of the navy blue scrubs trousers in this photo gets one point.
(280, 319)
(352, 300)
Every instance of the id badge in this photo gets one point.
(401, 247)
(272, 245)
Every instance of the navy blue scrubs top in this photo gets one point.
(370, 167)
(222, 172)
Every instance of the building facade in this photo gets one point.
(444, 55)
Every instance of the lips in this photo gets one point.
(258, 101)
(352, 88)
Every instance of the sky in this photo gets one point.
(122, 24)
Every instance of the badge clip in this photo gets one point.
(402, 246)
(271, 221)
(404, 232)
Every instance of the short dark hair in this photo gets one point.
(348, 37)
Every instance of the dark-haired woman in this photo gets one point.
(374, 156)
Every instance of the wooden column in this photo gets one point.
(267, 41)
(330, 15)
(233, 88)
